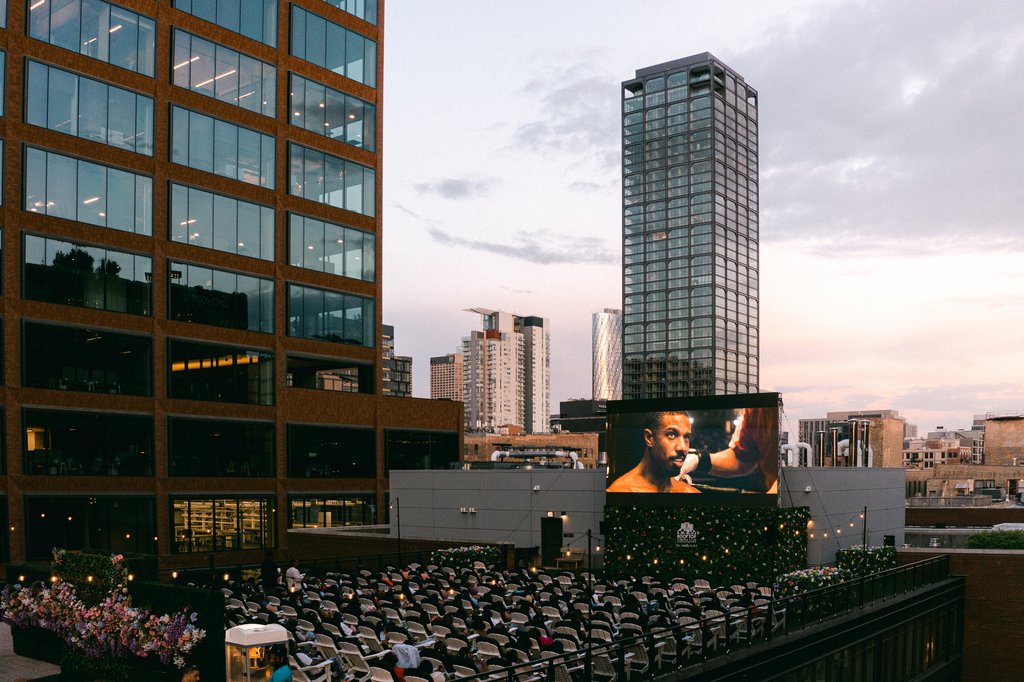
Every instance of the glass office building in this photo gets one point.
(191, 277)
(689, 231)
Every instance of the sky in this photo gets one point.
(891, 186)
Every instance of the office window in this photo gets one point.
(57, 271)
(256, 19)
(215, 146)
(331, 452)
(364, 9)
(65, 187)
(74, 443)
(331, 180)
(332, 511)
(225, 374)
(209, 447)
(215, 221)
(326, 247)
(87, 108)
(219, 524)
(80, 359)
(405, 449)
(334, 374)
(3, 69)
(327, 44)
(119, 524)
(225, 299)
(330, 316)
(96, 29)
(222, 73)
(330, 112)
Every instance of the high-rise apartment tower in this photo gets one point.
(191, 264)
(506, 373)
(690, 231)
(606, 354)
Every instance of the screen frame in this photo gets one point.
(706, 498)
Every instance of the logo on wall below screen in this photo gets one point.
(686, 536)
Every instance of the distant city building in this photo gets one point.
(568, 450)
(971, 438)
(396, 378)
(506, 373)
(926, 453)
(1004, 438)
(826, 434)
(446, 377)
(910, 430)
(606, 352)
(690, 231)
(582, 416)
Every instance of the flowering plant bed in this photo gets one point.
(465, 556)
(796, 582)
(864, 560)
(100, 636)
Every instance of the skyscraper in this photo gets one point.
(690, 231)
(191, 232)
(506, 373)
(606, 354)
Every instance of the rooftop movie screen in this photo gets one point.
(715, 449)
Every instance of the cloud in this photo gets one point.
(534, 247)
(456, 188)
(587, 187)
(577, 112)
(895, 122)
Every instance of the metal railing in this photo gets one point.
(677, 647)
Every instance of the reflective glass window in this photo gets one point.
(82, 359)
(330, 112)
(87, 108)
(364, 9)
(330, 316)
(215, 146)
(226, 374)
(236, 226)
(66, 187)
(205, 295)
(220, 524)
(215, 447)
(256, 19)
(331, 180)
(405, 449)
(66, 443)
(222, 73)
(332, 511)
(58, 271)
(118, 524)
(97, 29)
(333, 47)
(331, 452)
(326, 247)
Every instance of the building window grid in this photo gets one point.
(217, 221)
(83, 107)
(256, 19)
(222, 148)
(97, 29)
(321, 42)
(224, 74)
(75, 189)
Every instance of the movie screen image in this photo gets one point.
(722, 447)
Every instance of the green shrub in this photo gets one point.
(864, 561)
(997, 539)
